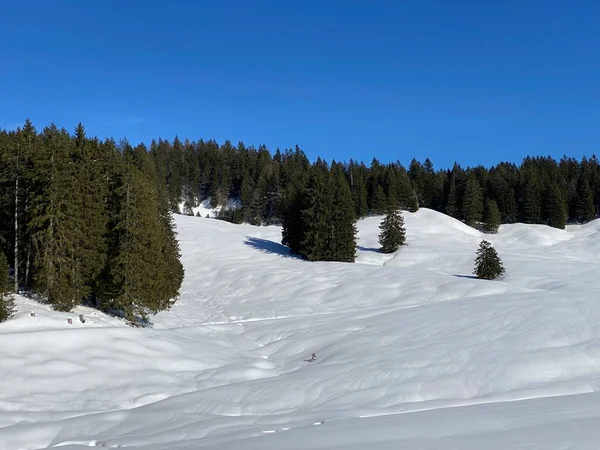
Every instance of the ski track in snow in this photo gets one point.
(412, 352)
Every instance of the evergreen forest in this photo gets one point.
(90, 220)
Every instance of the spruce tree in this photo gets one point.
(472, 204)
(555, 208)
(393, 233)
(488, 265)
(56, 227)
(452, 203)
(379, 202)
(342, 245)
(145, 273)
(315, 215)
(6, 301)
(532, 202)
(585, 201)
(491, 221)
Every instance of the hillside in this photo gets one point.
(412, 352)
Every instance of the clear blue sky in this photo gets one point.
(474, 81)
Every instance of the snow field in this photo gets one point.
(412, 352)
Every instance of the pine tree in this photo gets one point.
(555, 208)
(393, 233)
(6, 302)
(491, 221)
(472, 201)
(488, 265)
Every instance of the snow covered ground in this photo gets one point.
(412, 352)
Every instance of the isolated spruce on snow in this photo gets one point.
(487, 263)
(393, 234)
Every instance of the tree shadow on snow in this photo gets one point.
(272, 247)
(369, 249)
(471, 277)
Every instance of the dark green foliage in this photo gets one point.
(74, 194)
(585, 201)
(532, 202)
(315, 216)
(380, 201)
(472, 204)
(342, 244)
(452, 207)
(393, 233)
(491, 220)
(487, 263)
(6, 302)
(555, 208)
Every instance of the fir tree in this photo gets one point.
(393, 233)
(491, 221)
(488, 265)
(6, 302)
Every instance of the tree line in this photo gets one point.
(540, 190)
(86, 220)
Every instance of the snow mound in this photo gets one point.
(411, 351)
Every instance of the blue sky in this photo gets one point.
(473, 81)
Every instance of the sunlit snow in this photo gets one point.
(411, 351)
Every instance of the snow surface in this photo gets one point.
(412, 352)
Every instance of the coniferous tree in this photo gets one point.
(532, 202)
(393, 233)
(491, 221)
(56, 227)
(6, 301)
(413, 202)
(379, 200)
(585, 201)
(472, 204)
(488, 265)
(452, 203)
(342, 245)
(315, 215)
(556, 210)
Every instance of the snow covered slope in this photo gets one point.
(412, 352)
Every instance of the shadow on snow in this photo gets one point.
(272, 247)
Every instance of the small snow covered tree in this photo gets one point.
(6, 302)
(393, 233)
(487, 263)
